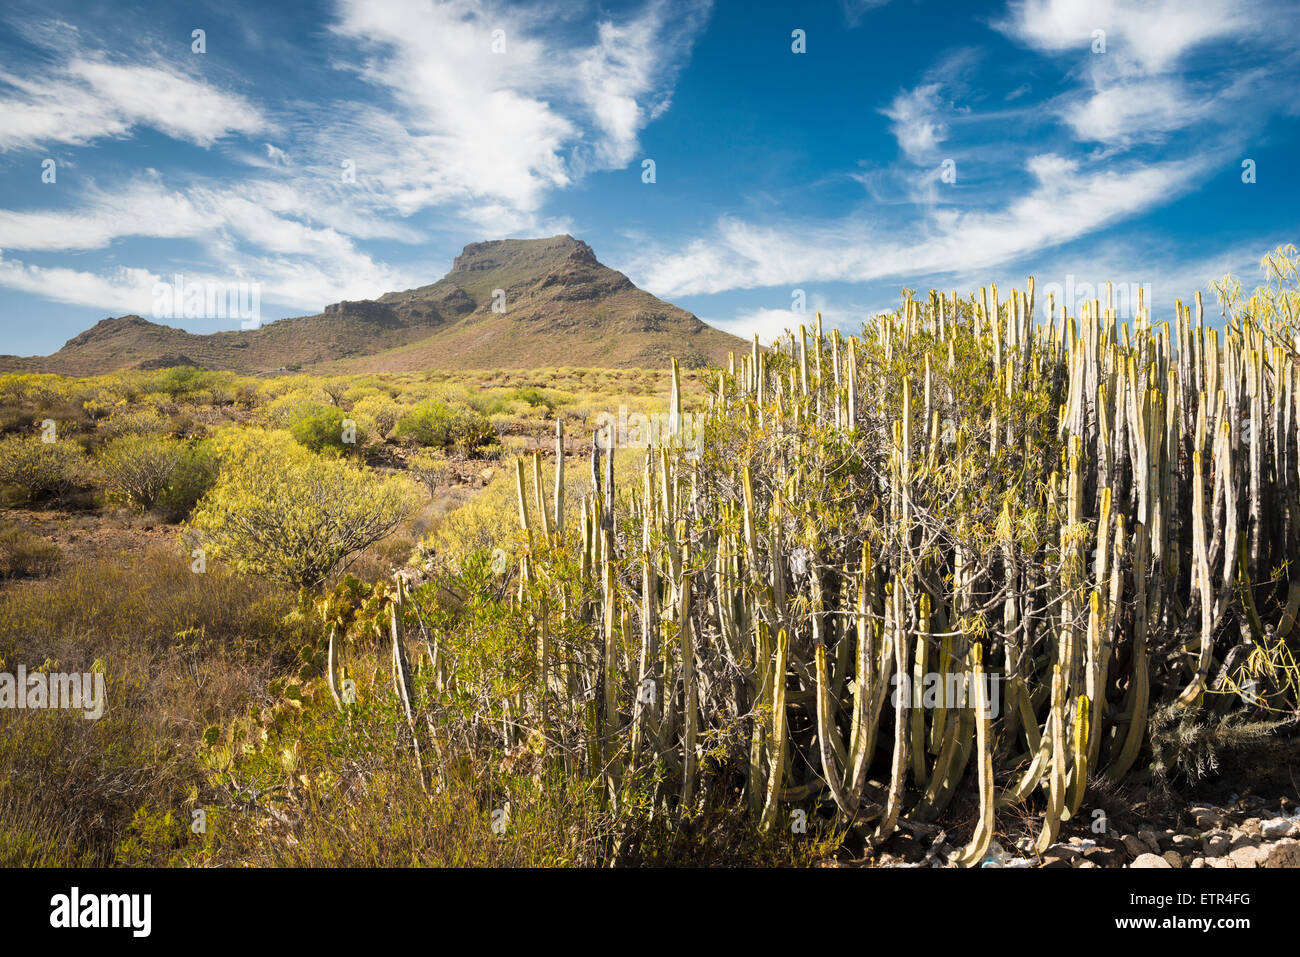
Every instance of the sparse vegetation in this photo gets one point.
(670, 664)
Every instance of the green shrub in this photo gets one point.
(140, 467)
(321, 427)
(37, 468)
(281, 511)
(381, 410)
(194, 474)
(436, 424)
(126, 421)
(533, 396)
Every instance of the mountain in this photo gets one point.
(561, 308)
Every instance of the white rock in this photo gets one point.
(1278, 828)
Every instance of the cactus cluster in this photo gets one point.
(1078, 518)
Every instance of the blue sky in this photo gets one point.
(914, 143)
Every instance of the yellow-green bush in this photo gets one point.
(279, 510)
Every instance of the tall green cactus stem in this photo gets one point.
(690, 695)
(1079, 770)
(402, 677)
(826, 732)
(898, 769)
(559, 480)
(920, 666)
(1056, 776)
(525, 525)
(979, 843)
(332, 669)
(777, 750)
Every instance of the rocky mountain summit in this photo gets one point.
(510, 303)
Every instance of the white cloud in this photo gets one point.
(84, 99)
(1065, 203)
(501, 130)
(1151, 33)
(119, 291)
(855, 10)
(624, 77)
(916, 124)
(1139, 109)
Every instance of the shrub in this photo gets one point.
(321, 427)
(279, 510)
(429, 469)
(438, 425)
(140, 467)
(132, 422)
(37, 468)
(382, 410)
(533, 396)
(178, 650)
(193, 476)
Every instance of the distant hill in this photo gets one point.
(561, 308)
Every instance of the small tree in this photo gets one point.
(279, 510)
(429, 468)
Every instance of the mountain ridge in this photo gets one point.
(507, 303)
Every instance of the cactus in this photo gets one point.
(1064, 502)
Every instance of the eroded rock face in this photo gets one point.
(364, 309)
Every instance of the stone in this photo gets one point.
(1285, 853)
(1104, 856)
(1151, 839)
(1246, 856)
(1083, 862)
(1173, 858)
(1150, 861)
(1054, 862)
(1216, 843)
(1197, 863)
(1133, 844)
(1207, 817)
(1066, 852)
(1241, 839)
(1278, 828)
(1184, 843)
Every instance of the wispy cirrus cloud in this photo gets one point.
(1066, 202)
(89, 97)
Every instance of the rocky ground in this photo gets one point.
(1248, 831)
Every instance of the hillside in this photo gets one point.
(562, 308)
